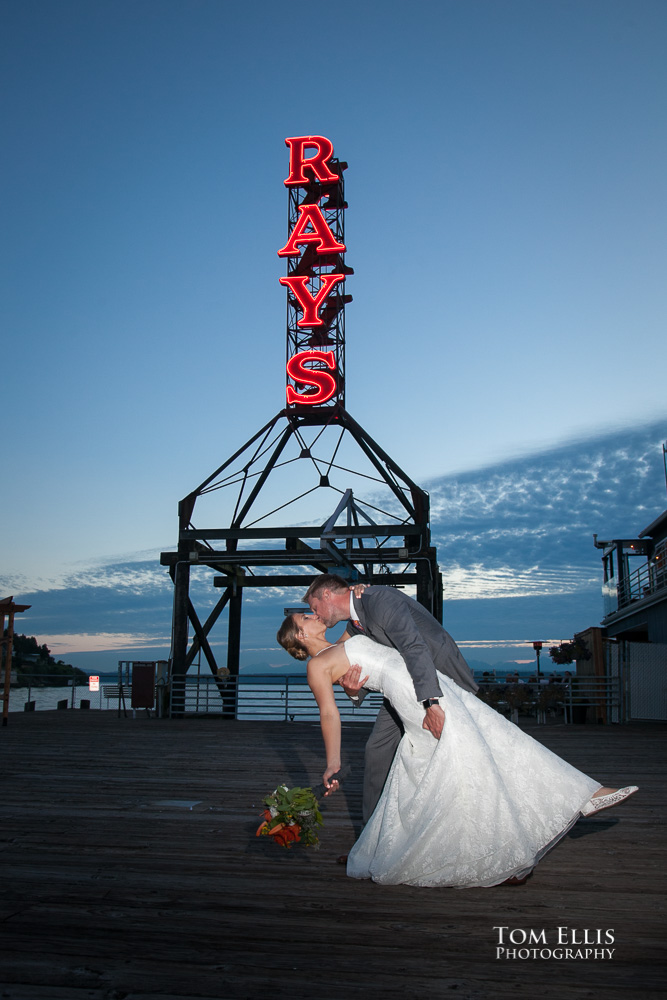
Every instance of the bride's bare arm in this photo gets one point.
(319, 681)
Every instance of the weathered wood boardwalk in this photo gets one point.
(131, 871)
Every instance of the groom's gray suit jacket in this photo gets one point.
(391, 618)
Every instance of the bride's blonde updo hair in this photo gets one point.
(287, 637)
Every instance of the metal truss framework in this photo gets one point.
(359, 539)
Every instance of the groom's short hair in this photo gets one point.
(327, 581)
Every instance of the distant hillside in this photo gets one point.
(33, 663)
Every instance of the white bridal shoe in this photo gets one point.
(605, 801)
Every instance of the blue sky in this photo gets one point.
(506, 227)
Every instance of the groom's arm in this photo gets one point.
(353, 685)
(387, 607)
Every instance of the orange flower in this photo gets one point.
(284, 835)
(267, 819)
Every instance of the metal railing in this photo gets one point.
(44, 692)
(641, 583)
(262, 697)
(288, 698)
(595, 699)
(583, 699)
(648, 579)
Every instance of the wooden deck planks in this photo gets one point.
(106, 894)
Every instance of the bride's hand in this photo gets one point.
(351, 682)
(434, 720)
(358, 589)
(330, 783)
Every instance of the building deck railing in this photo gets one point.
(641, 583)
(648, 579)
(583, 699)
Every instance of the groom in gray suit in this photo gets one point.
(390, 617)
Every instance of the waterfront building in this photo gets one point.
(628, 652)
(635, 584)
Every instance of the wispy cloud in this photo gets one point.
(84, 642)
(133, 574)
(524, 528)
(481, 581)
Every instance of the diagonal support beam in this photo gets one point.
(201, 633)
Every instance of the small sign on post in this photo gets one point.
(94, 682)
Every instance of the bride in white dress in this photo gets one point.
(477, 807)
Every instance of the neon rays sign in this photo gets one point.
(316, 273)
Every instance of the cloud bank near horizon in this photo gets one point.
(514, 544)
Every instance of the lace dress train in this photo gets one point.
(479, 805)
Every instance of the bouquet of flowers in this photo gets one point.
(291, 816)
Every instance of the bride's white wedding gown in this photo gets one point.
(479, 805)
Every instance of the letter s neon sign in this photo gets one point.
(324, 383)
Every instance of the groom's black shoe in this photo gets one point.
(341, 859)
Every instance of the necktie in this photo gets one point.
(355, 621)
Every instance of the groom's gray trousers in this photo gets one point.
(380, 750)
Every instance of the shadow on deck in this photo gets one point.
(131, 871)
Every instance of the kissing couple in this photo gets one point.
(454, 794)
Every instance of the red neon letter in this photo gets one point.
(323, 381)
(311, 306)
(316, 164)
(320, 235)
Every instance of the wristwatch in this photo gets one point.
(430, 701)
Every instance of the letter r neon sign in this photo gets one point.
(316, 165)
